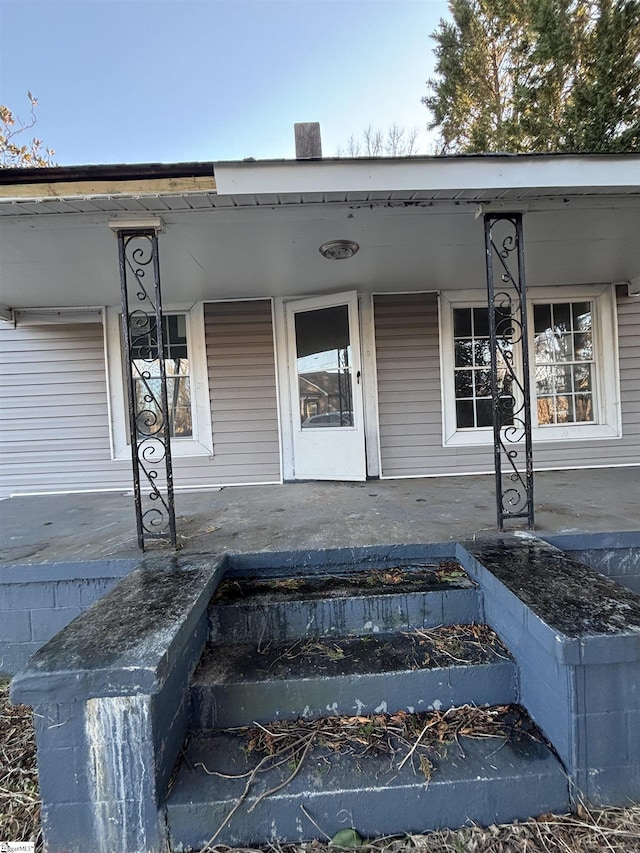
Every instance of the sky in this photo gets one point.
(144, 81)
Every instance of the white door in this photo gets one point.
(326, 388)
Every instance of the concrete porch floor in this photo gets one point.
(53, 529)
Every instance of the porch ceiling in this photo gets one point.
(60, 252)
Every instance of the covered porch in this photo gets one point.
(38, 530)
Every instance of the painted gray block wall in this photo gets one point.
(581, 686)
(37, 601)
(616, 555)
(110, 699)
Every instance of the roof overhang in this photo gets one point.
(252, 229)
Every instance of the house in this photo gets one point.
(347, 294)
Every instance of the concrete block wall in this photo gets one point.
(110, 700)
(37, 601)
(616, 555)
(583, 690)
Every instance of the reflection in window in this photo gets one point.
(564, 363)
(148, 390)
(472, 370)
(323, 352)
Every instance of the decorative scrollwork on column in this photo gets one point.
(144, 349)
(510, 388)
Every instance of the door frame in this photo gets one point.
(368, 379)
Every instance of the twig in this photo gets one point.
(290, 778)
(308, 816)
(415, 745)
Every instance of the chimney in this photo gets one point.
(308, 142)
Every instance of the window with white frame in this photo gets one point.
(564, 363)
(573, 365)
(187, 382)
(146, 376)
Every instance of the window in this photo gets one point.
(573, 365)
(146, 376)
(187, 382)
(472, 370)
(564, 363)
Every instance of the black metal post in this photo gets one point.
(510, 387)
(144, 361)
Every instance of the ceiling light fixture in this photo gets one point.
(339, 250)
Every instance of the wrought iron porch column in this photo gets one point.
(144, 362)
(510, 388)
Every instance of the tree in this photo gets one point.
(537, 75)
(396, 142)
(12, 153)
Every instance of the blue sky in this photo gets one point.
(125, 81)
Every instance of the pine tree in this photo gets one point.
(537, 75)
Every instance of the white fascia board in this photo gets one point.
(473, 173)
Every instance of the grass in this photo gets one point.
(613, 830)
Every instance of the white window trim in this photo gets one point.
(607, 379)
(201, 443)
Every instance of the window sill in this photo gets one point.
(184, 447)
(484, 437)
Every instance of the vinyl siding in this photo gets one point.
(242, 385)
(54, 416)
(410, 404)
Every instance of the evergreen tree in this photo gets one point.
(537, 75)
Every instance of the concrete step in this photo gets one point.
(343, 602)
(323, 782)
(242, 683)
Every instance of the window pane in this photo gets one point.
(482, 353)
(581, 316)
(483, 383)
(463, 353)
(462, 322)
(583, 346)
(584, 407)
(464, 414)
(564, 409)
(484, 409)
(464, 383)
(177, 366)
(564, 347)
(481, 322)
(545, 411)
(179, 399)
(562, 317)
(582, 377)
(324, 367)
(541, 318)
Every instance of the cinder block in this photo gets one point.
(633, 736)
(610, 687)
(606, 738)
(47, 623)
(68, 827)
(15, 626)
(26, 596)
(62, 775)
(14, 656)
(613, 786)
(91, 590)
(59, 725)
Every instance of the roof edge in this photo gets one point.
(118, 171)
